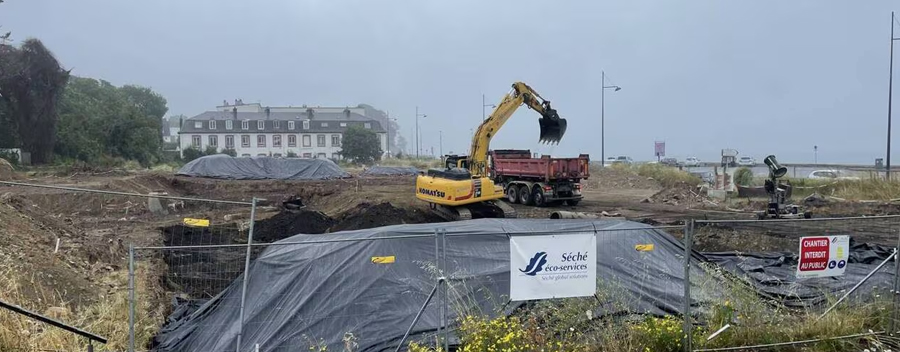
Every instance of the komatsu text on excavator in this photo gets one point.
(464, 189)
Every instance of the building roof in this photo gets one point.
(320, 122)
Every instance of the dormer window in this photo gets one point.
(291, 125)
(324, 124)
(198, 124)
(245, 125)
(229, 124)
(368, 125)
(277, 123)
(305, 124)
(261, 124)
(212, 124)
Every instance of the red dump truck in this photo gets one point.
(538, 181)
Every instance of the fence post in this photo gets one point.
(437, 269)
(445, 281)
(895, 314)
(688, 326)
(131, 301)
(246, 274)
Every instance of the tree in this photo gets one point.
(32, 82)
(360, 145)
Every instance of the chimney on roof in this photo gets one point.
(347, 113)
(234, 113)
(310, 113)
(224, 102)
(268, 112)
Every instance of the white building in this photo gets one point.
(252, 130)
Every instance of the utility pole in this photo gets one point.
(816, 155)
(417, 132)
(603, 88)
(388, 122)
(890, 96)
(441, 138)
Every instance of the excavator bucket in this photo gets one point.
(552, 129)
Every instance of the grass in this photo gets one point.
(108, 317)
(854, 190)
(421, 163)
(666, 176)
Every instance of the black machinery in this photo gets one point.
(777, 190)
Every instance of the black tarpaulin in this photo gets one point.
(262, 168)
(299, 293)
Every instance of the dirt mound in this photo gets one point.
(7, 173)
(683, 195)
(366, 216)
(610, 177)
(288, 223)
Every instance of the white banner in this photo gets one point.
(552, 266)
(823, 256)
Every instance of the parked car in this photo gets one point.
(669, 161)
(691, 161)
(747, 161)
(609, 161)
(830, 175)
(624, 160)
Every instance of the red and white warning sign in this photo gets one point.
(823, 256)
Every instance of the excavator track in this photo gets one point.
(489, 209)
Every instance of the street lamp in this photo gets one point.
(417, 130)
(602, 115)
(483, 105)
(816, 154)
(890, 94)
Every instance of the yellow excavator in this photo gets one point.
(463, 189)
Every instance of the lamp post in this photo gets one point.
(483, 105)
(816, 154)
(890, 96)
(417, 130)
(602, 115)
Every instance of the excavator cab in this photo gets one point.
(552, 126)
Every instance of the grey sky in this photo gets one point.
(701, 75)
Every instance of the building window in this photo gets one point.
(343, 124)
(292, 140)
(229, 124)
(261, 124)
(307, 140)
(305, 124)
(229, 142)
(290, 125)
(336, 156)
(245, 141)
(321, 156)
(212, 124)
(245, 125)
(335, 140)
(321, 140)
(276, 140)
(324, 124)
(261, 140)
(276, 123)
(213, 141)
(307, 155)
(368, 125)
(195, 141)
(198, 124)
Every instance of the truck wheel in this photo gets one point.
(572, 202)
(538, 197)
(525, 196)
(512, 194)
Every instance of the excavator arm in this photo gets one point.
(552, 126)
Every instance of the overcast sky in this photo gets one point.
(763, 77)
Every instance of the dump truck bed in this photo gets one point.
(520, 164)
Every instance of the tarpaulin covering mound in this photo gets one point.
(773, 275)
(390, 171)
(262, 168)
(303, 293)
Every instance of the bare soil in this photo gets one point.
(94, 230)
